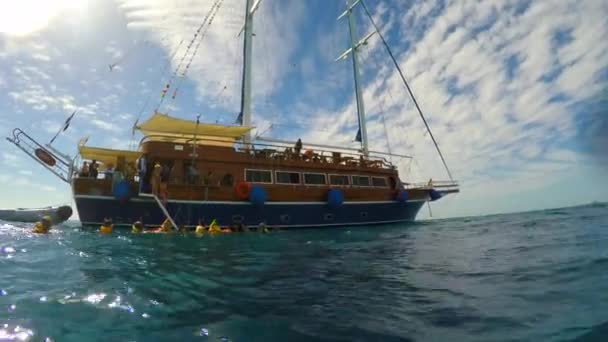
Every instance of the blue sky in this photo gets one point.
(515, 91)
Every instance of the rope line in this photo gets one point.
(186, 53)
(388, 49)
(213, 12)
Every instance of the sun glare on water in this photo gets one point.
(23, 17)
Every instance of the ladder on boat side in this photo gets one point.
(164, 210)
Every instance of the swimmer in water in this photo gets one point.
(200, 228)
(107, 227)
(214, 228)
(43, 226)
(165, 227)
(137, 227)
(263, 228)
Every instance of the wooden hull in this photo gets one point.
(93, 209)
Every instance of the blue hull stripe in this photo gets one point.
(93, 209)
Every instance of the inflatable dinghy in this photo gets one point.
(58, 214)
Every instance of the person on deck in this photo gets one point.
(298, 147)
(155, 180)
(142, 169)
(84, 170)
(165, 173)
(107, 227)
(43, 226)
(93, 169)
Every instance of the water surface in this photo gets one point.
(539, 276)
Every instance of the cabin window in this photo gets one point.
(284, 177)
(360, 181)
(379, 182)
(258, 176)
(339, 180)
(314, 179)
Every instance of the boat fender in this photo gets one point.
(434, 194)
(121, 190)
(401, 196)
(242, 190)
(335, 197)
(46, 157)
(258, 195)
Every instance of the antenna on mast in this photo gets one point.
(354, 45)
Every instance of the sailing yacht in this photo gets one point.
(219, 172)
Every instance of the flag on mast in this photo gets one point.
(66, 124)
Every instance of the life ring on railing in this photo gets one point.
(45, 157)
(242, 190)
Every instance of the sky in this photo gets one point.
(515, 92)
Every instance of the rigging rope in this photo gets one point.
(190, 44)
(211, 15)
(143, 107)
(388, 49)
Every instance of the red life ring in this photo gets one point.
(242, 190)
(45, 157)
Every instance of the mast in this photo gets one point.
(354, 45)
(245, 116)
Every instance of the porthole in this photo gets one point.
(363, 214)
(328, 217)
(237, 219)
(285, 218)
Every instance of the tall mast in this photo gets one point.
(354, 45)
(245, 116)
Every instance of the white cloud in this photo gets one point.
(105, 125)
(218, 61)
(495, 129)
(48, 188)
(22, 181)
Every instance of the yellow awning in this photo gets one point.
(107, 156)
(162, 125)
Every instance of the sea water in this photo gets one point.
(537, 276)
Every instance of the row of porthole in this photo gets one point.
(237, 219)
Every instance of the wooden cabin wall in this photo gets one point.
(224, 160)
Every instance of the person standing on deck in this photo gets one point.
(298, 147)
(94, 169)
(142, 169)
(84, 170)
(156, 179)
(165, 173)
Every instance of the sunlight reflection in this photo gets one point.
(20, 18)
(17, 334)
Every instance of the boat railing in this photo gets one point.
(46, 157)
(276, 151)
(286, 152)
(441, 186)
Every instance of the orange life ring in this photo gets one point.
(242, 190)
(45, 157)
